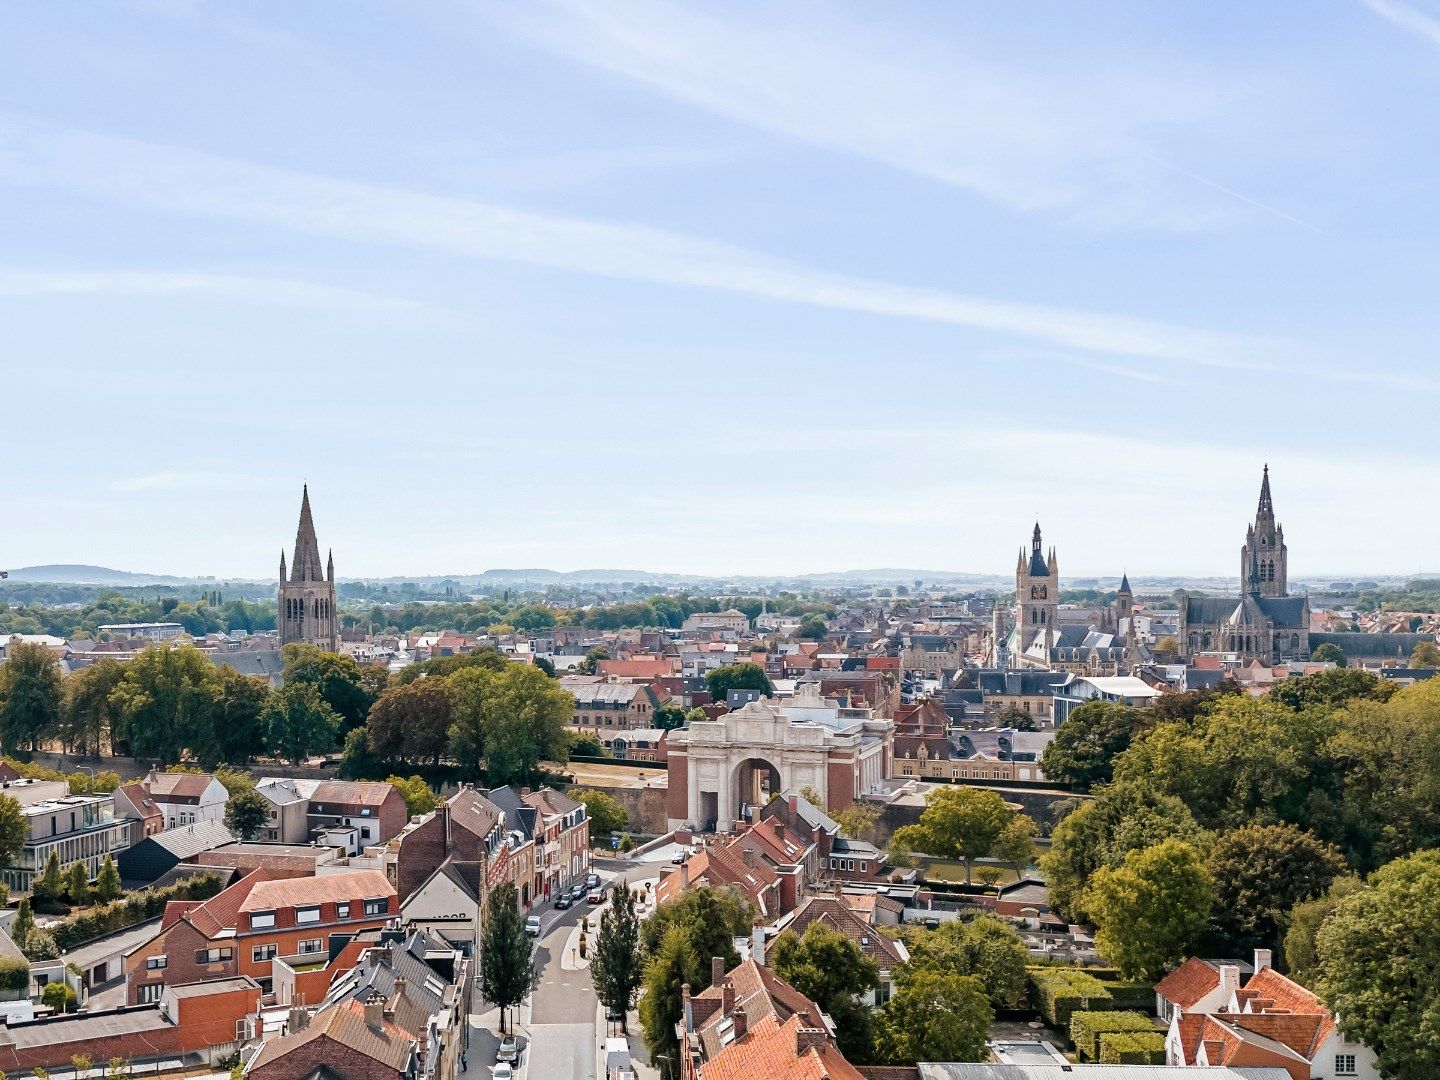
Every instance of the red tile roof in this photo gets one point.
(1188, 983)
(769, 1050)
(326, 888)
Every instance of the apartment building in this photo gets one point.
(78, 828)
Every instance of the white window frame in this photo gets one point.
(307, 916)
(1345, 1065)
(150, 993)
(376, 906)
(156, 963)
(342, 910)
(260, 953)
(308, 946)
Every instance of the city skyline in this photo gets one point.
(571, 285)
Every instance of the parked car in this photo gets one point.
(577, 891)
(679, 857)
(532, 925)
(596, 897)
(509, 1051)
(503, 1071)
(592, 881)
(563, 901)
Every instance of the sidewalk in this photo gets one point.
(639, 1061)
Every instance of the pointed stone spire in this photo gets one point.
(330, 565)
(1266, 509)
(282, 566)
(1124, 583)
(306, 565)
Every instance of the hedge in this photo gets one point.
(14, 975)
(136, 908)
(1086, 1028)
(1132, 1048)
(1056, 992)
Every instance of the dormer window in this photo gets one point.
(262, 920)
(307, 915)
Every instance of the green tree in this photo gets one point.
(77, 884)
(38, 945)
(358, 761)
(522, 718)
(58, 996)
(669, 717)
(860, 821)
(47, 887)
(605, 812)
(298, 723)
(1088, 742)
(1015, 845)
(592, 659)
(31, 698)
(1260, 873)
(672, 964)
(506, 965)
(411, 722)
(587, 744)
(420, 798)
(532, 617)
(616, 968)
(1151, 910)
(23, 923)
(711, 918)
(812, 628)
(1377, 957)
(957, 823)
(246, 813)
(1333, 687)
(239, 728)
(107, 884)
(1329, 653)
(737, 677)
(1303, 926)
(935, 1017)
(14, 830)
(337, 677)
(1426, 654)
(167, 701)
(984, 947)
(89, 714)
(831, 970)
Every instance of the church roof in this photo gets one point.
(1037, 558)
(306, 565)
(1124, 583)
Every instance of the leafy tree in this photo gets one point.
(58, 996)
(77, 884)
(813, 797)
(30, 696)
(239, 728)
(233, 780)
(669, 717)
(246, 813)
(298, 722)
(1333, 687)
(167, 701)
(544, 665)
(412, 722)
(1426, 654)
(89, 714)
(1084, 746)
(517, 716)
(47, 887)
(1152, 909)
(506, 966)
(860, 821)
(935, 1017)
(1260, 873)
(1015, 845)
(107, 884)
(984, 947)
(442, 667)
(592, 659)
(711, 918)
(831, 970)
(337, 677)
(738, 677)
(38, 945)
(957, 823)
(616, 968)
(673, 963)
(812, 628)
(23, 923)
(1304, 924)
(14, 830)
(420, 798)
(358, 761)
(532, 617)
(1328, 652)
(587, 744)
(605, 812)
(1377, 957)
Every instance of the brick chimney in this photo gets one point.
(808, 1037)
(687, 1012)
(779, 827)
(717, 970)
(740, 1023)
(727, 998)
(1262, 960)
(684, 875)
(375, 1012)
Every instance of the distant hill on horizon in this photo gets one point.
(81, 574)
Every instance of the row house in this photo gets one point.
(838, 911)
(243, 928)
(348, 814)
(164, 800)
(77, 828)
(604, 706)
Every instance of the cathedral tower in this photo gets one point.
(1037, 593)
(307, 596)
(1264, 557)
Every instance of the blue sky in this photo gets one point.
(718, 288)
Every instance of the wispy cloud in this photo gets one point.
(243, 288)
(194, 480)
(186, 182)
(1075, 134)
(1407, 18)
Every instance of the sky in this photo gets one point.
(741, 288)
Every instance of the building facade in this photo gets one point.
(78, 828)
(307, 595)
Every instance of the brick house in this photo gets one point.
(241, 929)
(375, 810)
(562, 838)
(835, 911)
(604, 707)
(354, 1040)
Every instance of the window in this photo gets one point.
(214, 956)
(1344, 1064)
(151, 993)
(342, 911)
(311, 945)
(306, 915)
(155, 963)
(375, 907)
(261, 953)
(262, 920)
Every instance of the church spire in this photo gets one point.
(306, 565)
(1124, 582)
(1266, 509)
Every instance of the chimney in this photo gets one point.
(375, 1012)
(1262, 960)
(399, 987)
(808, 1037)
(1229, 982)
(779, 827)
(740, 1023)
(299, 1018)
(794, 804)
(717, 970)
(684, 875)
(687, 1011)
(727, 998)
(757, 945)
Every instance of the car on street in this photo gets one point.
(532, 925)
(509, 1052)
(596, 897)
(679, 857)
(592, 881)
(504, 1071)
(578, 891)
(563, 901)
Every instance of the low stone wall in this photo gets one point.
(646, 806)
(1044, 807)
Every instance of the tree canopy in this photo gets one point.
(1152, 909)
(1085, 746)
(744, 676)
(957, 823)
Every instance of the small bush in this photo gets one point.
(1132, 1048)
(1087, 1027)
(1057, 992)
(135, 908)
(14, 975)
(58, 996)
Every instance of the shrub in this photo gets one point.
(1087, 1027)
(58, 996)
(1132, 1048)
(135, 908)
(14, 975)
(1058, 992)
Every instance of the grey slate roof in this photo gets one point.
(1372, 646)
(518, 817)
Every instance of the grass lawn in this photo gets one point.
(943, 870)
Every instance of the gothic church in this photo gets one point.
(307, 597)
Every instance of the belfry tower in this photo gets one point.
(1037, 593)
(1264, 557)
(307, 596)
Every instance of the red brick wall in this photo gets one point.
(306, 1058)
(677, 799)
(421, 852)
(840, 784)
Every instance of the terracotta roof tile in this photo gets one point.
(327, 888)
(769, 1050)
(1188, 983)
